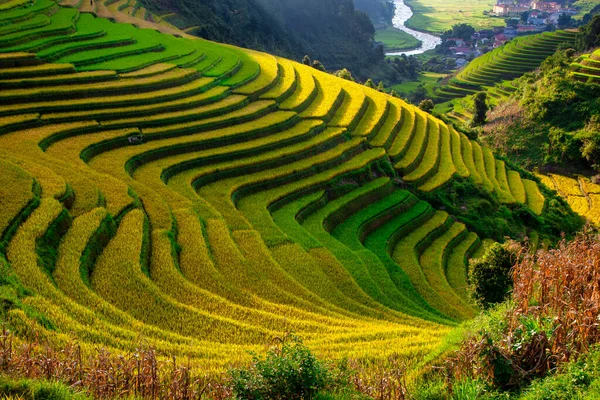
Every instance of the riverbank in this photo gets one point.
(394, 39)
(403, 14)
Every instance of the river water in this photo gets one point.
(403, 13)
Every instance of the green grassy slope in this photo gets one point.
(504, 63)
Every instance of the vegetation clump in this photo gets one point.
(548, 326)
(288, 371)
(427, 105)
(552, 120)
(489, 276)
(480, 108)
(484, 213)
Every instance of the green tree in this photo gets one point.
(316, 64)
(426, 105)
(451, 63)
(369, 83)
(380, 87)
(480, 108)
(463, 31)
(589, 35)
(344, 74)
(565, 21)
(418, 95)
(590, 142)
(307, 61)
(489, 277)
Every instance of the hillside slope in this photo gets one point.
(504, 63)
(587, 67)
(206, 198)
(331, 31)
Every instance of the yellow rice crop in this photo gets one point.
(535, 199)
(15, 192)
(268, 73)
(376, 111)
(566, 185)
(548, 181)
(579, 204)
(329, 91)
(285, 83)
(594, 214)
(354, 101)
(588, 186)
(446, 167)
(305, 88)
(516, 186)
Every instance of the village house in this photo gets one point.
(504, 10)
(550, 6)
(461, 62)
(463, 51)
(500, 39)
(554, 17)
(537, 22)
(501, 9)
(486, 33)
(458, 42)
(510, 32)
(528, 29)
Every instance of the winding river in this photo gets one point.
(403, 13)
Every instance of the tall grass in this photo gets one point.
(552, 318)
(105, 375)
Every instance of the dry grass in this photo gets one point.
(104, 375)
(552, 319)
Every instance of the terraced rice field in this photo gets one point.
(582, 195)
(203, 198)
(587, 67)
(490, 71)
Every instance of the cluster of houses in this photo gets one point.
(506, 8)
(485, 40)
(541, 13)
(481, 42)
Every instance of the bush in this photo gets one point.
(426, 105)
(489, 276)
(579, 380)
(289, 371)
(29, 389)
(345, 74)
(480, 108)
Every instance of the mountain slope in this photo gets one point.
(331, 31)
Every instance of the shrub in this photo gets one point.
(489, 276)
(345, 74)
(370, 84)
(289, 371)
(480, 108)
(28, 389)
(426, 105)
(318, 65)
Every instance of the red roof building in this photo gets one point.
(549, 6)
